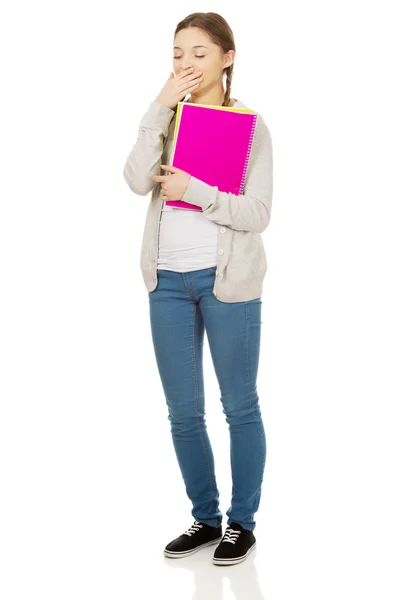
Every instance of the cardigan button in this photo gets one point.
(220, 251)
(223, 229)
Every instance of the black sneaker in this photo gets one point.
(198, 536)
(235, 546)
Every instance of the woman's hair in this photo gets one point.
(219, 32)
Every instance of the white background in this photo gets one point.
(91, 490)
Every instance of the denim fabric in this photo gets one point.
(182, 307)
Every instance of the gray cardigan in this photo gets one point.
(241, 258)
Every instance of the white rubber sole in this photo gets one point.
(171, 554)
(233, 561)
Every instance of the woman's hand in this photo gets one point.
(175, 185)
(176, 88)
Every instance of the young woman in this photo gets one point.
(204, 271)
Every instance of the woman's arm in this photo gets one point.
(145, 157)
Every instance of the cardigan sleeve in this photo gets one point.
(145, 157)
(250, 211)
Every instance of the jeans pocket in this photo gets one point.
(212, 269)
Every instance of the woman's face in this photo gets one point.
(193, 48)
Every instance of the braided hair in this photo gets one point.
(227, 97)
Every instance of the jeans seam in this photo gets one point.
(196, 407)
(258, 495)
(247, 345)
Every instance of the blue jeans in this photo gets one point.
(181, 307)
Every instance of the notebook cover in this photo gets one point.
(213, 143)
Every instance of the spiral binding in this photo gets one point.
(246, 162)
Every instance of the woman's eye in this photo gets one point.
(178, 57)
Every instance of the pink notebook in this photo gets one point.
(214, 145)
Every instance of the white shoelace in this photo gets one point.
(193, 529)
(231, 535)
